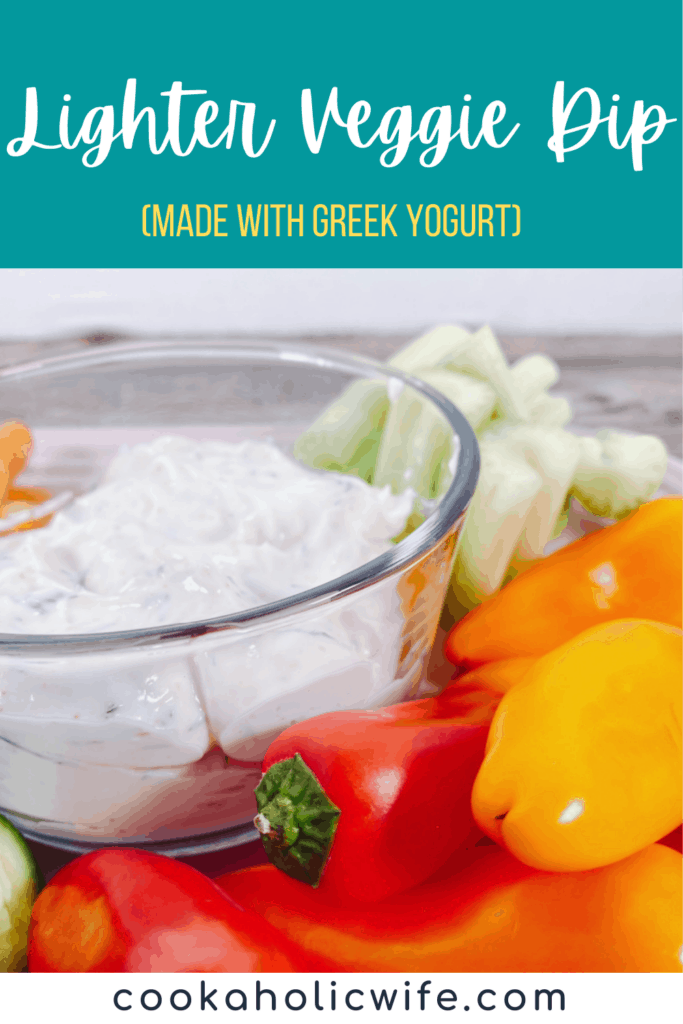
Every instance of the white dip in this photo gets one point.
(183, 530)
(123, 744)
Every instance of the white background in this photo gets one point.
(45, 304)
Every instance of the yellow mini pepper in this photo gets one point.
(583, 762)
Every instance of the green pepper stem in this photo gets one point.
(296, 819)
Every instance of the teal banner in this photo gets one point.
(363, 134)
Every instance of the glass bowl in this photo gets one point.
(209, 696)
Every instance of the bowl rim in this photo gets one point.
(401, 556)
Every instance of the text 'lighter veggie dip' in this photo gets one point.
(183, 530)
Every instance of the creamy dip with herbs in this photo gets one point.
(182, 530)
(163, 740)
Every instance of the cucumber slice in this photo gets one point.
(20, 883)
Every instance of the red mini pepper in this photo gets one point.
(133, 911)
(364, 804)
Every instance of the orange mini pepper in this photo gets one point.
(16, 444)
(629, 570)
(491, 914)
(583, 762)
(496, 676)
(15, 447)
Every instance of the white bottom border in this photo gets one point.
(585, 998)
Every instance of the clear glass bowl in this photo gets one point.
(71, 780)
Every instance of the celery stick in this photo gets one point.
(535, 374)
(507, 489)
(345, 438)
(617, 472)
(554, 454)
(431, 349)
(483, 358)
(475, 399)
(550, 411)
(416, 447)
(478, 355)
(417, 444)
(530, 464)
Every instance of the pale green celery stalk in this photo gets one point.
(430, 349)
(550, 411)
(478, 355)
(525, 476)
(416, 444)
(617, 472)
(345, 438)
(554, 454)
(475, 399)
(507, 489)
(469, 368)
(415, 448)
(534, 374)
